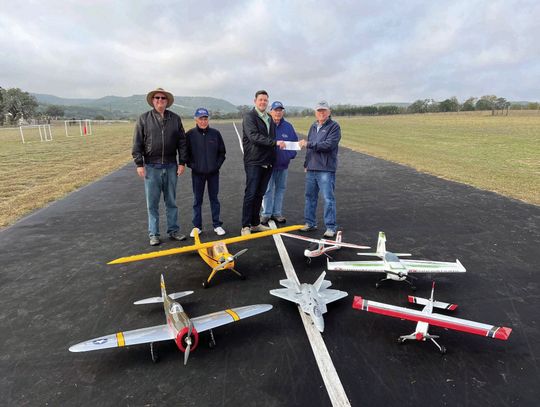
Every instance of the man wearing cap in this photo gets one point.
(259, 142)
(321, 165)
(160, 154)
(206, 154)
(273, 197)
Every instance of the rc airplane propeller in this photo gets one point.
(179, 327)
(214, 253)
(395, 268)
(312, 298)
(426, 317)
(324, 246)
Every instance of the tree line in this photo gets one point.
(17, 106)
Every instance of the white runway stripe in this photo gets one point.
(239, 138)
(335, 389)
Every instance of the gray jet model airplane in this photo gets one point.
(312, 298)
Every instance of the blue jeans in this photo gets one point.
(273, 197)
(199, 181)
(324, 181)
(257, 178)
(159, 180)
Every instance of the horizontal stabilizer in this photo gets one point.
(290, 284)
(159, 300)
(379, 255)
(436, 304)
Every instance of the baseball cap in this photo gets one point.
(276, 105)
(322, 105)
(201, 112)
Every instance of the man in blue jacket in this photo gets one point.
(321, 165)
(273, 197)
(206, 154)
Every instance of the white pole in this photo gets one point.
(40, 135)
(80, 127)
(22, 135)
(65, 125)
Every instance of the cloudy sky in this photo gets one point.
(359, 52)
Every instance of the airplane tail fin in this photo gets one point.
(338, 236)
(381, 244)
(159, 300)
(319, 281)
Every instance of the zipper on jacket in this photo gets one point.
(163, 144)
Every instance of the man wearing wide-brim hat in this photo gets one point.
(160, 154)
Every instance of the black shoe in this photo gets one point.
(265, 219)
(176, 236)
(279, 219)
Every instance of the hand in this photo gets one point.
(302, 143)
(140, 172)
(280, 144)
(181, 169)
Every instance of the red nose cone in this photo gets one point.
(181, 336)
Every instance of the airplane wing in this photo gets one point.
(215, 319)
(426, 266)
(325, 241)
(288, 294)
(332, 295)
(443, 321)
(195, 247)
(121, 339)
(367, 266)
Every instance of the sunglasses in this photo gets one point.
(160, 97)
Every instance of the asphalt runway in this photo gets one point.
(56, 290)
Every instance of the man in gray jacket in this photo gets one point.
(160, 153)
(321, 165)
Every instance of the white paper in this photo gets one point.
(292, 145)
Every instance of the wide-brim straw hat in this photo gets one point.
(150, 96)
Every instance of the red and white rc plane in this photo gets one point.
(426, 317)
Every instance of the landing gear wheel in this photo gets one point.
(443, 350)
(308, 260)
(154, 353)
(205, 284)
(376, 285)
(400, 341)
(212, 342)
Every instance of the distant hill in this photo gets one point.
(116, 107)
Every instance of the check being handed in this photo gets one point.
(292, 145)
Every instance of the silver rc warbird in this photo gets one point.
(395, 268)
(312, 298)
(179, 327)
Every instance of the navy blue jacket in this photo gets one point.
(284, 131)
(257, 141)
(205, 150)
(322, 147)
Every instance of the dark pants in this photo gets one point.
(199, 181)
(257, 178)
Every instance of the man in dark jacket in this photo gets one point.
(206, 154)
(259, 142)
(158, 140)
(321, 165)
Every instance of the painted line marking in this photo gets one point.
(335, 389)
(239, 138)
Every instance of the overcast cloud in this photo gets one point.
(359, 52)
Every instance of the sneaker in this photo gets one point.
(279, 219)
(192, 233)
(308, 228)
(154, 240)
(259, 228)
(329, 233)
(245, 231)
(219, 231)
(176, 236)
(265, 219)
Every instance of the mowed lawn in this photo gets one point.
(36, 173)
(495, 153)
(499, 153)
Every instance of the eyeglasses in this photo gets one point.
(160, 97)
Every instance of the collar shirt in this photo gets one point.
(265, 117)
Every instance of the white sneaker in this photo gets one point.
(219, 231)
(259, 228)
(245, 231)
(192, 234)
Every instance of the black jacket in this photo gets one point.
(159, 141)
(259, 144)
(205, 149)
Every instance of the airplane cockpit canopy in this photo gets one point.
(175, 308)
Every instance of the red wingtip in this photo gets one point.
(410, 298)
(452, 307)
(503, 333)
(357, 302)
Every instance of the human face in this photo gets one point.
(261, 103)
(202, 122)
(276, 114)
(322, 115)
(160, 102)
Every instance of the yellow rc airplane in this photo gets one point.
(214, 253)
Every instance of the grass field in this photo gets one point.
(500, 153)
(496, 153)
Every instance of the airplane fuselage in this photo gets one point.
(394, 265)
(215, 255)
(178, 323)
(321, 249)
(312, 304)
